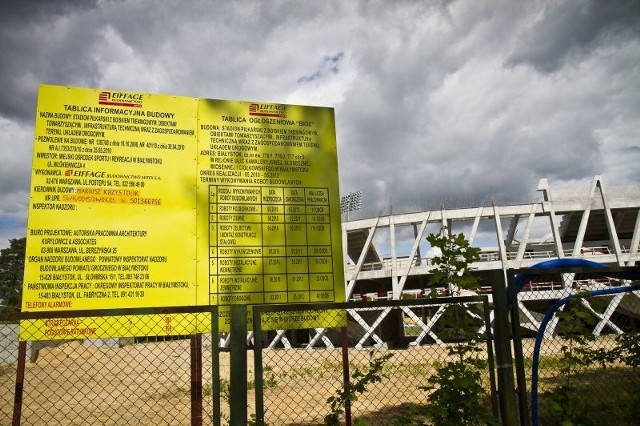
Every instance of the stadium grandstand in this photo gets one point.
(593, 223)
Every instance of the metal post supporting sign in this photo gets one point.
(238, 365)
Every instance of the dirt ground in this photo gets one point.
(149, 384)
(76, 384)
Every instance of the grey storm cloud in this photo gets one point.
(567, 31)
(454, 102)
(38, 43)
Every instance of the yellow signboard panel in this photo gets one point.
(143, 200)
(267, 180)
(111, 218)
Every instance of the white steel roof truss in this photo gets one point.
(548, 205)
(613, 234)
(394, 255)
(363, 255)
(369, 329)
(280, 337)
(533, 323)
(603, 320)
(635, 240)
(550, 331)
(397, 290)
(501, 247)
(320, 336)
(525, 237)
(426, 328)
(474, 227)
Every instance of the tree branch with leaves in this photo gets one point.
(453, 264)
(11, 274)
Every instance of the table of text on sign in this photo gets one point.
(269, 245)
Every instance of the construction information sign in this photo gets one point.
(144, 200)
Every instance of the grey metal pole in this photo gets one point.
(238, 365)
(196, 380)
(257, 360)
(19, 389)
(215, 367)
(506, 387)
(517, 350)
(346, 376)
(495, 404)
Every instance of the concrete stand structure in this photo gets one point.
(595, 223)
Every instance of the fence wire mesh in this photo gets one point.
(589, 349)
(391, 349)
(8, 362)
(112, 380)
(150, 380)
(588, 365)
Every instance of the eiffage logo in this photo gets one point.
(123, 99)
(268, 110)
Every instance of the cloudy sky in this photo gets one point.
(454, 101)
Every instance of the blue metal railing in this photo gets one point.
(539, 336)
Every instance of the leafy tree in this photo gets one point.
(457, 390)
(452, 266)
(453, 271)
(11, 272)
(566, 404)
(628, 349)
(360, 379)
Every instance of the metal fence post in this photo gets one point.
(238, 365)
(540, 335)
(506, 388)
(196, 379)
(346, 376)
(215, 366)
(521, 379)
(257, 360)
(17, 399)
(495, 404)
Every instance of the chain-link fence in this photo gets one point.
(580, 344)
(576, 352)
(112, 380)
(384, 358)
(390, 348)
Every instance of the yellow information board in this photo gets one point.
(144, 200)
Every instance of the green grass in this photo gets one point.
(600, 396)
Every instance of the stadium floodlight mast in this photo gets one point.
(350, 202)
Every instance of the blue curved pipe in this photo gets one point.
(522, 279)
(540, 334)
(569, 262)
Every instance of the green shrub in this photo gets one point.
(360, 379)
(457, 391)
